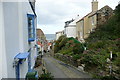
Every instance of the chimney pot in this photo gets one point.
(94, 5)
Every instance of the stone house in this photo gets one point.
(41, 38)
(92, 20)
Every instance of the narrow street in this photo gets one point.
(61, 70)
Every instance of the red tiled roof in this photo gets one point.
(49, 44)
(39, 43)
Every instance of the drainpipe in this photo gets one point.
(17, 71)
(29, 60)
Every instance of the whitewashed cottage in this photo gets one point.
(58, 34)
(70, 27)
(17, 38)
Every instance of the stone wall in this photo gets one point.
(67, 59)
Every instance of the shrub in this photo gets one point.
(117, 12)
(66, 51)
(63, 42)
(46, 76)
(108, 78)
(117, 59)
(88, 60)
(56, 48)
(104, 39)
(77, 56)
(78, 48)
(97, 44)
(59, 43)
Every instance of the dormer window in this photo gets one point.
(31, 27)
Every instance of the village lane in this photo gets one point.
(53, 69)
(61, 70)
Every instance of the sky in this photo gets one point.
(52, 14)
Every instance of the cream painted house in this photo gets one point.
(58, 34)
(92, 20)
(80, 29)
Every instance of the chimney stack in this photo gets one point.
(94, 5)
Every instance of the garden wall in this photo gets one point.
(67, 59)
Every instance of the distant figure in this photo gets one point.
(47, 50)
(42, 52)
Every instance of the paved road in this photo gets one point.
(61, 70)
(53, 69)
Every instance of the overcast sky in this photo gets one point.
(51, 14)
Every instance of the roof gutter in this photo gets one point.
(33, 9)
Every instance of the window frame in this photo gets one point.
(30, 39)
(93, 22)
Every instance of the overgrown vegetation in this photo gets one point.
(100, 43)
(105, 39)
(68, 46)
(46, 76)
(38, 62)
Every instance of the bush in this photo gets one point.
(117, 59)
(93, 60)
(97, 45)
(77, 56)
(46, 76)
(78, 48)
(63, 42)
(104, 39)
(117, 12)
(59, 43)
(38, 62)
(66, 51)
(108, 78)
(56, 48)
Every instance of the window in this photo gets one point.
(82, 25)
(81, 35)
(78, 33)
(31, 27)
(93, 20)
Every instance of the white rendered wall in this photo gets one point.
(28, 10)
(70, 32)
(58, 35)
(33, 54)
(1, 26)
(3, 68)
(25, 9)
(3, 54)
(22, 37)
(16, 36)
(11, 35)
